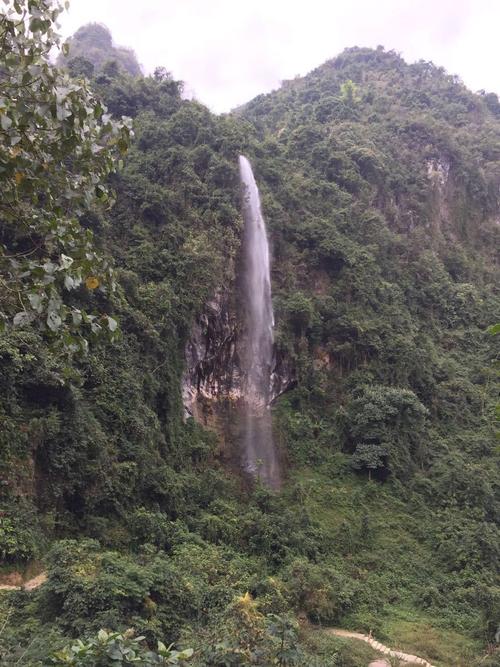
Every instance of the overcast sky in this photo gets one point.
(228, 51)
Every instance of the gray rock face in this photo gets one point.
(214, 379)
(212, 367)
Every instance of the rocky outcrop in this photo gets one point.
(212, 372)
(438, 172)
(213, 379)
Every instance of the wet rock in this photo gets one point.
(214, 378)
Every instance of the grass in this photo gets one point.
(331, 650)
(392, 562)
(443, 647)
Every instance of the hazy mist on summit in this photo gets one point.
(228, 52)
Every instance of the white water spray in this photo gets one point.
(260, 457)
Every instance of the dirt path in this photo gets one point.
(405, 657)
(29, 585)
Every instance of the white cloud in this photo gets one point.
(228, 51)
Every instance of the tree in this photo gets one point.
(494, 330)
(392, 421)
(80, 67)
(284, 637)
(57, 146)
(369, 456)
(349, 93)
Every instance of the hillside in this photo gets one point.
(90, 51)
(380, 189)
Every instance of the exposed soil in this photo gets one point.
(14, 581)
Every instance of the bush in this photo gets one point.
(319, 591)
(112, 649)
(18, 541)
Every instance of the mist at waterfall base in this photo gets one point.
(260, 458)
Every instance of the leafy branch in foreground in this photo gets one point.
(57, 146)
(114, 648)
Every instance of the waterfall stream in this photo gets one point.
(260, 456)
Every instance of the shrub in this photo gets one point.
(113, 649)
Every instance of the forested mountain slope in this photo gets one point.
(91, 49)
(380, 184)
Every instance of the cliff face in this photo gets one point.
(212, 375)
(213, 382)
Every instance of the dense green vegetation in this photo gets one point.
(380, 185)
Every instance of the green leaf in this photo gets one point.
(36, 302)
(5, 122)
(494, 329)
(186, 654)
(77, 317)
(116, 654)
(112, 324)
(53, 321)
(21, 318)
(66, 261)
(69, 283)
(102, 635)
(122, 145)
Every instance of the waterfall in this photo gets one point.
(260, 456)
